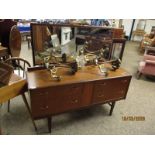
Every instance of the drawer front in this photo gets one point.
(55, 100)
(109, 90)
(66, 98)
(39, 103)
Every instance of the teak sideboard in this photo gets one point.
(86, 88)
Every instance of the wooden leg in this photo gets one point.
(139, 74)
(0, 128)
(49, 119)
(112, 108)
(76, 48)
(9, 106)
(28, 108)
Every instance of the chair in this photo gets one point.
(20, 67)
(148, 40)
(28, 38)
(147, 65)
(15, 41)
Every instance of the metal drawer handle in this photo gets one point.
(100, 95)
(75, 101)
(103, 84)
(44, 108)
(124, 81)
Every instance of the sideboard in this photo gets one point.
(88, 87)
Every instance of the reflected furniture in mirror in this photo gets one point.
(42, 42)
(15, 41)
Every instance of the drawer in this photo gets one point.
(109, 90)
(55, 100)
(66, 98)
(39, 103)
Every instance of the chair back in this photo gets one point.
(15, 41)
(20, 65)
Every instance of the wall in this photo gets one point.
(128, 24)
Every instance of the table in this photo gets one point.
(88, 87)
(4, 53)
(24, 31)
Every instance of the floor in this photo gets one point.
(94, 121)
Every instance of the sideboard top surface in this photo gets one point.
(42, 78)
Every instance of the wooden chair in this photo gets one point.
(20, 67)
(15, 41)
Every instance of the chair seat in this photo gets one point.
(147, 68)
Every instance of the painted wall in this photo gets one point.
(128, 24)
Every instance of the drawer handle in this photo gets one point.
(75, 101)
(124, 81)
(103, 83)
(100, 95)
(45, 93)
(121, 92)
(44, 108)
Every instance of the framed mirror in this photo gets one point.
(57, 39)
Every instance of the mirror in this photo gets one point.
(57, 39)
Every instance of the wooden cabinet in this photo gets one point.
(82, 90)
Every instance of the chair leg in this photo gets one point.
(49, 119)
(28, 108)
(8, 105)
(112, 108)
(139, 74)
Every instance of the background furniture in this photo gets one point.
(15, 42)
(140, 33)
(140, 29)
(5, 28)
(4, 53)
(24, 30)
(148, 40)
(88, 87)
(147, 65)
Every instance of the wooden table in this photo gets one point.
(16, 86)
(3, 53)
(88, 87)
